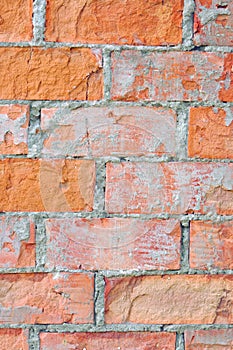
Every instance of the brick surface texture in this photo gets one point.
(116, 174)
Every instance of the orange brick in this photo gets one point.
(14, 120)
(14, 339)
(50, 74)
(135, 22)
(103, 131)
(46, 298)
(106, 341)
(16, 20)
(213, 22)
(170, 299)
(46, 185)
(211, 245)
(173, 188)
(210, 132)
(17, 235)
(171, 76)
(114, 243)
(214, 339)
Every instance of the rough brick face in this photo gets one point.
(51, 74)
(14, 120)
(17, 241)
(89, 22)
(211, 132)
(213, 22)
(106, 341)
(14, 339)
(113, 244)
(174, 188)
(211, 245)
(16, 20)
(174, 76)
(109, 131)
(169, 299)
(46, 298)
(214, 339)
(46, 185)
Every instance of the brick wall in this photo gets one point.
(116, 187)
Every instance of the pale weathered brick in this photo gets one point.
(105, 131)
(113, 244)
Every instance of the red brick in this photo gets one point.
(213, 339)
(171, 76)
(106, 341)
(46, 298)
(17, 237)
(135, 22)
(116, 243)
(50, 74)
(170, 299)
(46, 185)
(213, 22)
(173, 188)
(211, 245)
(211, 132)
(14, 120)
(16, 339)
(16, 20)
(102, 131)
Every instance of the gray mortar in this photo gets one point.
(189, 7)
(41, 242)
(99, 200)
(99, 299)
(184, 251)
(39, 8)
(34, 341)
(182, 131)
(107, 74)
(180, 342)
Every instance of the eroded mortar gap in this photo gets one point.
(38, 20)
(41, 242)
(184, 245)
(187, 24)
(99, 198)
(99, 308)
(180, 341)
(107, 74)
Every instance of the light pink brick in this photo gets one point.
(170, 76)
(211, 245)
(14, 339)
(17, 242)
(213, 339)
(107, 341)
(45, 298)
(102, 131)
(113, 244)
(173, 188)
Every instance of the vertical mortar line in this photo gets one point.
(35, 139)
(38, 20)
(99, 299)
(182, 131)
(34, 339)
(107, 74)
(41, 242)
(180, 342)
(99, 198)
(184, 249)
(187, 24)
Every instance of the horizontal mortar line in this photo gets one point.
(75, 104)
(123, 328)
(117, 273)
(98, 214)
(118, 47)
(121, 159)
